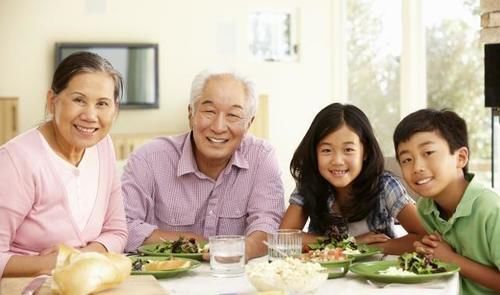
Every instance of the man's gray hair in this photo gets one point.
(204, 76)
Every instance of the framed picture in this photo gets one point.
(272, 36)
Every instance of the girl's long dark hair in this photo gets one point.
(315, 189)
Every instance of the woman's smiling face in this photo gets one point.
(84, 111)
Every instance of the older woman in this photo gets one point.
(58, 183)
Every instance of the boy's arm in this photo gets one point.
(484, 275)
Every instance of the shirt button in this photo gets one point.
(211, 212)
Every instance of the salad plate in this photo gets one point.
(161, 274)
(151, 250)
(337, 268)
(349, 248)
(366, 251)
(179, 248)
(375, 271)
(332, 260)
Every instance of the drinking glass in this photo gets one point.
(284, 241)
(227, 255)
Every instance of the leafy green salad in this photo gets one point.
(419, 264)
(348, 244)
(181, 245)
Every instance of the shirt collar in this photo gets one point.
(472, 192)
(464, 207)
(187, 161)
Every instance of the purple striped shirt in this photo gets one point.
(163, 188)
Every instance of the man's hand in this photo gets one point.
(254, 245)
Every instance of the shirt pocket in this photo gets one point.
(232, 220)
(176, 220)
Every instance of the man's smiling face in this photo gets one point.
(219, 119)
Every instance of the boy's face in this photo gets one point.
(428, 166)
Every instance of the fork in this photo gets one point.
(428, 285)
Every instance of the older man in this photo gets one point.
(214, 180)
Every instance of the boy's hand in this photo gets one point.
(434, 245)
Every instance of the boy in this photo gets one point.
(462, 216)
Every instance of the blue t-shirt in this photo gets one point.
(393, 198)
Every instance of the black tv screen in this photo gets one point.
(138, 64)
(492, 75)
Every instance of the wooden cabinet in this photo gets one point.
(260, 125)
(8, 118)
(125, 144)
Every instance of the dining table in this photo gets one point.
(201, 281)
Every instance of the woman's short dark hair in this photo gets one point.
(315, 189)
(85, 62)
(446, 123)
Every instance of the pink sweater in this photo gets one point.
(34, 211)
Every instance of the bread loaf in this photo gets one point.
(79, 273)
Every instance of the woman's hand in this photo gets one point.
(49, 251)
(94, 247)
(372, 238)
(49, 255)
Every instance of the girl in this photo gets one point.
(343, 188)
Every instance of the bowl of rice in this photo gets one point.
(290, 275)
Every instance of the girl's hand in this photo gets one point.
(371, 238)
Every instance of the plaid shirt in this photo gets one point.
(163, 188)
(392, 200)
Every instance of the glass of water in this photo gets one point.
(227, 255)
(284, 242)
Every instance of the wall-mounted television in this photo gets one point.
(492, 75)
(138, 64)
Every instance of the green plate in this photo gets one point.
(370, 270)
(370, 251)
(150, 250)
(162, 274)
(337, 269)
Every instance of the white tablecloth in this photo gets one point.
(200, 281)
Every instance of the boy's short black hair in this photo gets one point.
(447, 123)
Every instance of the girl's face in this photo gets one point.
(340, 157)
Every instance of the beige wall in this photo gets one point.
(189, 34)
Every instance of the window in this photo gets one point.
(452, 41)
(419, 50)
(272, 36)
(374, 50)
